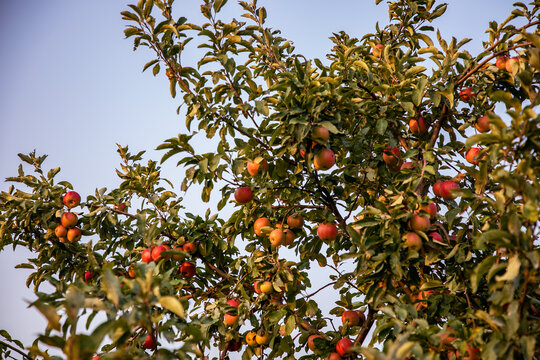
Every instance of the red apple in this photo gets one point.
(243, 195)
(149, 342)
(146, 255)
(131, 272)
(377, 50)
(95, 358)
(446, 189)
(277, 237)
(407, 165)
(257, 286)
(233, 302)
(466, 94)
(69, 220)
(190, 247)
(230, 320)
(350, 318)
(327, 231)
(472, 155)
(418, 126)
(259, 224)
(320, 134)
(289, 237)
(121, 207)
(501, 62)
(333, 356)
(437, 188)
(71, 199)
(156, 252)
(343, 346)
(188, 269)
(392, 158)
(413, 241)
(510, 63)
(310, 341)
(295, 221)
(435, 236)
(419, 223)
(253, 166)
(324, 159)
(60, 231)
(430, 208)
(88, 275)
(482, 124)
(74, 235)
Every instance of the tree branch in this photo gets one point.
(20, 352)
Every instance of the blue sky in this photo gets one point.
(71, 87)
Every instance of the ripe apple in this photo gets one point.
(324, 159)
(413, 241)
(419, 222)
(510, 63)
(424, 294)
(190, 247)
(149, 342)
(466, 94)
(74, 235)
(327, 231)
(482, 124)
(233, 302)
(435, 236)
(266, 287)
(350, 318)
(71, 199)
(257, 286)
(377, 50)
(156, 252)
(131, 272)
(295, 221)
(392, 158)
(446, 189)
(277, 237)
(60, 231)
(333, 356)
(88, 275)
(343, 346)
(472, 155)
(243, 195)
(69, 220)
(259, 224)
(146, 255)
(437, 188)
(407, 165)
(289, 237)
(121, 207)
(95, 358)
(310, 341)
(230, 320)
(430, 208)
(188, 269)
(234, 345)
(501, 62)
(253, 166)
(262, 338)
(320, 134)
(251, 338)
(418, 126)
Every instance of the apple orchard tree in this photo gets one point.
(404, 166)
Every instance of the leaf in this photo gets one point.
(50, 314)
(111, 285)
(511, 271)
(172, 304)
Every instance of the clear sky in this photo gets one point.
(71, 87)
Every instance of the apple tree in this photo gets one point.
(399, 163)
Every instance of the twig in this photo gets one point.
(365, 329)
(16, 350)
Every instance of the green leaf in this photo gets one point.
(111, 285)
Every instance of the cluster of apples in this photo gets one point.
(187, 269)
(507, 63)
(278, 235)
(421, 223)
(349, 318)
(67, 231)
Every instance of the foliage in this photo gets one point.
(471, 292)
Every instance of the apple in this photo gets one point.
(259, 224)
(188, 269)
(277, 237)
(310, 341)
(146, 255)
(343, 346)
(74, 235)
(69, 220)
(60, 231)
(482, 124)
(501, 62)
(289, 237)
(466, 94)
(131, 272)
(377, 50)
(392, 158)
(419, 222)
(430, 208)
(324, 159)
(424, 294)
(435, 236)
(230, 320)
(253, 166)
(95, 358)
(333, 356)
(71, 199)
(88, 275)
(510, 63)
(266, 287)
(361, 316)
(320, 134)
(262, 338)
(233, 302)
(327, 231)
(190, 247)
(437, 188)
(234, 345)
(413, 241)
(149, 342)
(472, 155)
(446, 189)
(350, 318)
(243, 195)
(257, 286)
(156, 252)
(121, 207)
(178, 257)
(418, 126)
(407, 165)
(295, 221)
(251, 338)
